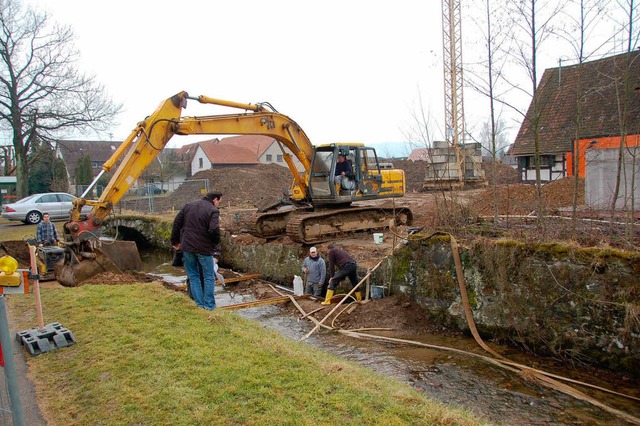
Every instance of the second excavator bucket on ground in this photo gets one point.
(115, 257)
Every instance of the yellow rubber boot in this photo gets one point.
(358, 296)
(327, 299)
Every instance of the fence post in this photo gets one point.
(10, 367)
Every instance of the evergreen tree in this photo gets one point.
(41, 173)
(84, 174)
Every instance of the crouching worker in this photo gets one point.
(316, 271)
(347, 268)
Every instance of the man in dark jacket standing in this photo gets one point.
(347, 267)
(196, 231)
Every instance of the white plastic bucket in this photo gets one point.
(377, 238)
(298, 289)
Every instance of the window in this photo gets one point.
(200, 163)
(49, 198)
(65, 197)
(548, 160)
(269, 157)
(279, 158)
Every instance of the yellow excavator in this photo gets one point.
(319, 208)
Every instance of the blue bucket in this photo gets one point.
(377, 292)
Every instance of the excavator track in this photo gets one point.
(317, 227)
(269, 225)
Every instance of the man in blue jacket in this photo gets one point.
(196, 231)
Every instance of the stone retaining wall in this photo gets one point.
(566, 302)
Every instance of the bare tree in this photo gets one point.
(533, 24)
(624, 91)
(420, 133)
(42, 94)
(486, 81)
(582, 18)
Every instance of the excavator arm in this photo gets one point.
(150, 137)
(86, 255)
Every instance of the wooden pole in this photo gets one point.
(36, 286)
(355, 287)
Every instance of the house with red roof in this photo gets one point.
(419, 154)
(245, 150)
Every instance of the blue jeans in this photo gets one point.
(204, 299)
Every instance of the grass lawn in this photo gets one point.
(147, 355)
(16, 231)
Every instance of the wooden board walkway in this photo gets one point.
(229, 280)
(271, 301)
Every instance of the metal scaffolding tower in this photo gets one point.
(453, 79)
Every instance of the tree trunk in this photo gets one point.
(22, 169)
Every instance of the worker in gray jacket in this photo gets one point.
(315, 271)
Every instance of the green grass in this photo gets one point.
(16, 231)
(147, 355)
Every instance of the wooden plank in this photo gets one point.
(242, 278)
(262, 302)
(228, 280)
(271, 301)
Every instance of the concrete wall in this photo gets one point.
(443, 162)
(600, 179)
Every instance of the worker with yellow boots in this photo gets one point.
(347, 268)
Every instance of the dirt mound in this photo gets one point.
(414, 173)
(499, 173)
(19, 250)
(520, 199)
(110, 278)
(559, 193)
(241, 187)
(395, 313)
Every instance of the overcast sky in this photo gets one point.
(344, 70)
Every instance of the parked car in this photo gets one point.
(30, 209)
(147, 189)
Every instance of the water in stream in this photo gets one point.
(492, 392)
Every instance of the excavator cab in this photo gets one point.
(364, 179)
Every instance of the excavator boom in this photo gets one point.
(313, 187)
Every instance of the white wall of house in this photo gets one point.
(273, 154)
(200, 162)
(547, 174)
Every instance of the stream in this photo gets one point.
(496, 394)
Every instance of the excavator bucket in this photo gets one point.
(115, 257)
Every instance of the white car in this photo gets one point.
(30, 209)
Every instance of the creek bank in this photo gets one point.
(570, 303)
(575, 304)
